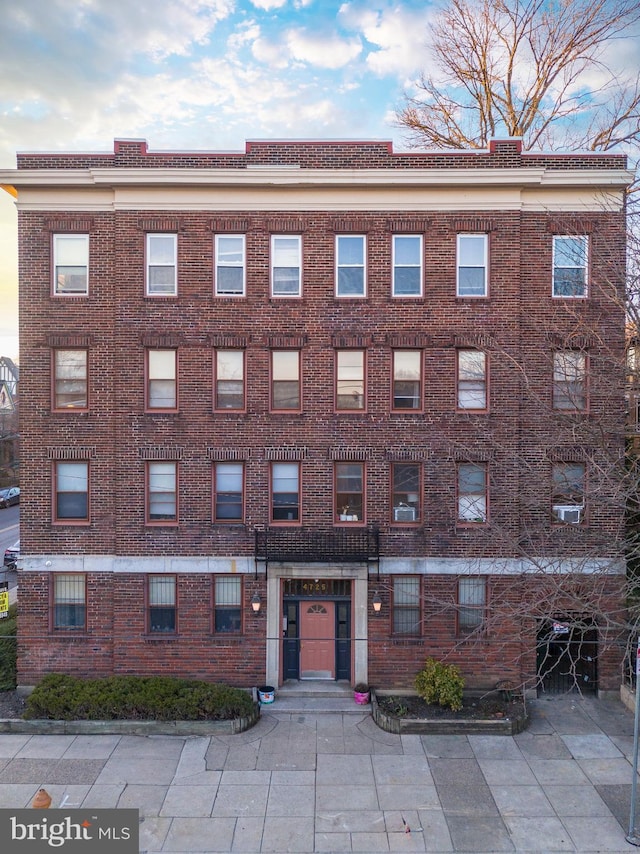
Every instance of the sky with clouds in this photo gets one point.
(195, 74)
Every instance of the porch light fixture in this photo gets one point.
(376, 602)
(256, 603)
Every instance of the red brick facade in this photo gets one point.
(320, 190)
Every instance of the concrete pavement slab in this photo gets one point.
(199, 835)
(594, 746)
(108, 797)
(493, 747)
(349, 821)
(576, 801)
(603, 771)
(542, 746)
(284, 836)
(435, 831)
(479, 834)
(558, 771)
(243, 800)
(595, 834)
(354, 796)
(91, 747)
(147, 798)
(188, 801)
(521, 801)
(134, 769)
(500, 772)
(291, 801)
(399, 769)
(539, 834)
(152, 833)
(332, 843)
(409, 796)
(45, 747)
(247, 836)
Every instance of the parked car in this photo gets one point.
(10, 495)
(12, 554)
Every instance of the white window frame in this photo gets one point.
(472, 387)
(168, 289)
(229, 474)
(396, 266)
(162, 490)
(484, 266)
(61, 243)
(570, 381)
(157, 378)
(348, 266)
(276, 255)
(472, 603)
(473, 505)
(583, 238)
(285, 474)
(222, 264)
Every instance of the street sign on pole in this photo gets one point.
(631, 836)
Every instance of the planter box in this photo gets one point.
(444, 726)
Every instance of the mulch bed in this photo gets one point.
(473, 708)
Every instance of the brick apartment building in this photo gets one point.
(321, 410)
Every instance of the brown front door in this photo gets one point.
(317, 640)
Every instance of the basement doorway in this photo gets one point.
(567, 655)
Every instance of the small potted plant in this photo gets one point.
(361, 693)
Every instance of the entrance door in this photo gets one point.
(568, 656)
(317, 640)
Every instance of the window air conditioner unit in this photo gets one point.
(571, 513)
(404, 514)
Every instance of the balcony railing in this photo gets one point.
(311, 545)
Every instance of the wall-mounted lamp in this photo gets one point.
(376, 602)
(256, 603)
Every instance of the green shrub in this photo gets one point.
(159, 698)
(440, 684)
(8, 650)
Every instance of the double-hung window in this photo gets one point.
(162, 492)
(350, 385)
(286, 265)
(228, 492)
(472, 601)
(407, 616)
(229, 379)
(162, 265)
(351, 280)
(161, 594)
(472, 379)
(71, 491)
(569, 381)
(285, 492)
(162, 386)
(472, 265)
(472, 493)
(70, 379)
(568, 484)
(407, 265)
(71, 264)
(230, 269)
(570, 267)
(69, 601)
(349, 492)
(407, 380)
(285, 380)
(227, 604)
(406, 488)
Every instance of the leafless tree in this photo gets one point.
(538, 69)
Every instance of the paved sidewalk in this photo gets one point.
(305, 782)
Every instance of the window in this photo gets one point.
(285, 266)
(406, 605)
(569, 381)
(570, 266)
(407, 265)
(350, 380)
(71, 264)
(407, 379)
(472, 492)
(162, 494)
(69, 601)
(405, 497)
(227, 609)
(228, 492)
(162, 277)
(162, 388)
(229, 380)
(162, 603)
(349, 492)
(350, 266)
(472, 600)
(285, 380)
(472, 265)
(230, 271)
(285, 492)
(72, 491)
(70, 379)
(472, 379)
(568, 492)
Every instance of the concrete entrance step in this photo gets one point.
(315, 697)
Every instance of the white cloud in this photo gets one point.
(267, 5)
(397, 33)
(318, 49)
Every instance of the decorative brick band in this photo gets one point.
(72, 225)
(230, 225)
(159, 224)
(570, 454)
(408, 226)
(228, 453)
(351, 341)
(474, 224)
(481, 340)
(286, 453)
(348, 454)
(287, 341)
(290, 226)
(74, 452)
(409, 339)
(353, 226)
(161, 339)
(571, 341)
(237, 342)
(69, 341)
(409, 454)
(569, 225)
(472, 455)
(160, 452)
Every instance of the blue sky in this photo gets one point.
(196, 74)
